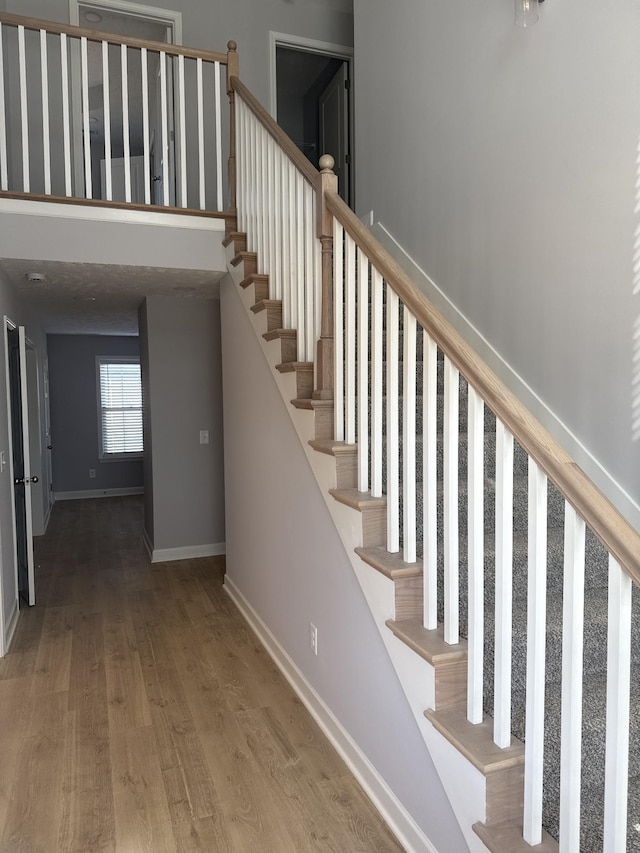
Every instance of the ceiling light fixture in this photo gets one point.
(35, 277)
(93, 17)
(526, 12)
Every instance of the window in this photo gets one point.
(119, 407)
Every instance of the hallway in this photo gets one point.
(138, 712)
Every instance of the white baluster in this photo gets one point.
(338, 326)
(22, 60)
(86, 138)
(285, 272)
(572, 651)
(295, 272)
(46, 144)
(125, 122)
(182, 134)
(363, 371)
(475, 479)
(299, 283)
(317, 277)
(4, 171)
(200, 110)
(618, 685)
(145, 126)
(536, 643)
(504, 585)
(275, 282)
(309, 274)
(377, 358)
(450, 508)
(350, 340)
(66, 115)
(107, 120)
(409, 437)
(393, 421)
(218, 122)
(430, 481)
(164, 130)
(241, 154)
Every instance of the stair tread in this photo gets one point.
(475, 742)
(276, 334)
(391, 565)
(291, 366)
(265, 304)
(430, 645)
(332, 447)
(356, 499)
(507, 838)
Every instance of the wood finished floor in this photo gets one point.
(139, 713)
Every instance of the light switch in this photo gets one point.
(204, 436)
(3, 461)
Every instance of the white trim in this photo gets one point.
(188, 552)
(7, 324)
(138, 10)
(97, 493)
(16, 206)
(618, 496)
(340, 51)
(11, 627)
(397, 818)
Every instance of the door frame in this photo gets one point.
(173, 22)
(322, 48)
(7, 323)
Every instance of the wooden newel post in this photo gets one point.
(233, 69)
(328, 182)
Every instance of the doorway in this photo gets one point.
(138, 21)
(311, 100)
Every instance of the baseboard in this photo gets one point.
(618, 496)
(148, 544)
(390, 808)
(97, 493)
(48, 516)
(189, 552)
(11, 627)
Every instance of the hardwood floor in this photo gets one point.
(139, 713)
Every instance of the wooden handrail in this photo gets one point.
(611, 528)
(273, 128)
(57, 28)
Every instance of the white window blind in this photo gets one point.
(120, 407)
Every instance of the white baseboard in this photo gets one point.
(97, 493)
(148, 544)
(390, 808)
(48, 515)
(618, 496)
(189, 552)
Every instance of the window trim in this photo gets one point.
(112, 457)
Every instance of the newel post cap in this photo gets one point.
(327, 163)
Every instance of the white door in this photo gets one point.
(334, 128)
(21, 457)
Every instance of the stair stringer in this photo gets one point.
(464, 785)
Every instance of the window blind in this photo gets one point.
(120, 408)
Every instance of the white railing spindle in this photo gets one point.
(363, 371)
(572, 650)
(4, 171)
(218, 130)
(46, 144)
(503, 586)
(146, 153)
(86, 138)
(299, 284)
(182, 133)
(618, 686)
(377, 357)
(200, 110)
(536, 644)
(451, 490)
(24, 116)
(66, 115)
(338, 340)
(430, 481)
(309, 272)
(107, 120)
(393, 418)
(126, 141)
(164, 131)
(350, 340)
(409, 437)
(475, 557)
(278, 215)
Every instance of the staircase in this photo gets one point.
(521, 603)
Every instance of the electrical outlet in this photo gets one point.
(313, 638)
(92, 473)
(204, 436)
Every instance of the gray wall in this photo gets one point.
(504, 161)
(285, 556)
(183, 395)
(74, 414)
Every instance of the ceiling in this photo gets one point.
(100, 299)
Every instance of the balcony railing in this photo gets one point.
(91, 115)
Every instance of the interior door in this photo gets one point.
(22, 478)
(334, 128)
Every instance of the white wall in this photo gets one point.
(285, 556)
(505, 162)
(180, 351)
